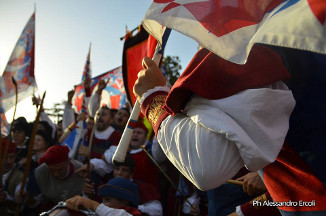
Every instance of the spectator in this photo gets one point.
(119, 197)
(55, 179)
(11, 179)
(120, 119)
(20, 131)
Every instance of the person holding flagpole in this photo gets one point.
(216, 119)
(220, 115)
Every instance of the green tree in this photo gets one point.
(171, 66)
(56, 112)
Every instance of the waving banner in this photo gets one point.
(231, 28)
(21, 67)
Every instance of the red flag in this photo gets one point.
(134, 50)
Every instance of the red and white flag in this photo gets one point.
(87, 72)
(21, 67)
(230, 28)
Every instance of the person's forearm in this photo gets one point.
(94, 104)
(68, 116)
(104, 210)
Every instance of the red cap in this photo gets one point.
(54, 155)
(11, 147)
(141, 125)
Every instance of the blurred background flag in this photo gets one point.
(114, 95)
(21, 67)
(87, 72)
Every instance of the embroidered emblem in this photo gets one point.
(155, 109)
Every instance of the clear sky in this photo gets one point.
(64, 30)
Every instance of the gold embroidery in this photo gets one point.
(155, 109)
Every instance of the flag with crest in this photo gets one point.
(21, 67)
(231, 28)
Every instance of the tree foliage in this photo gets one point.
(171, 66)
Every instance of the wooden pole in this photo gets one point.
(30, 152)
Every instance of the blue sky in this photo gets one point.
(64, 30)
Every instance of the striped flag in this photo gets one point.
(231, 28)
(21, 67)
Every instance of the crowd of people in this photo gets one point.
(208, 141)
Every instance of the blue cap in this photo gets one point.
(120, 188)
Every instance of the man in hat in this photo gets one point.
(55, 178)
(11, 178)
(119, 197)
(144, 170)
(149, 195)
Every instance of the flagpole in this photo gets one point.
(30, 152)
(130, 32)
(123, 146)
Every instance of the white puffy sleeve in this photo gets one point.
(213, 139)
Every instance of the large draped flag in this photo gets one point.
(134, 50)
(21, 67)
(113, 95)
(231, 28)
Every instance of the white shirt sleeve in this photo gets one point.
(100, 166)
(45, 117)
(238, 211)
(94, 104)
(103, 210)
(213, 139)
(152, 208)
(68, 116)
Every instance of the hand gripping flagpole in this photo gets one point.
(123, 146)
